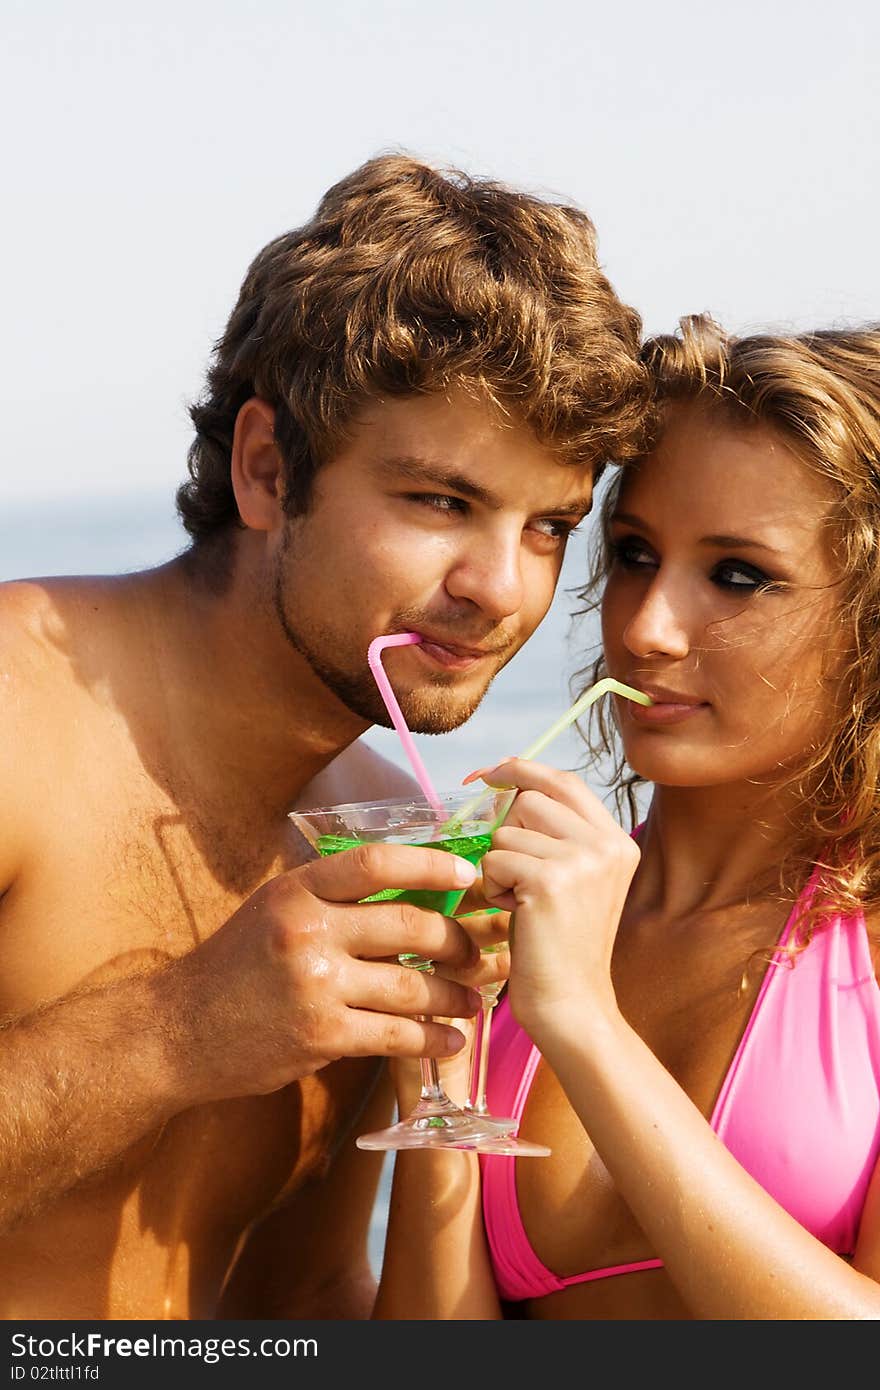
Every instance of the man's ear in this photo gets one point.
(257, 479)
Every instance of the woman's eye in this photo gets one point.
(632, 554)
(737, 575)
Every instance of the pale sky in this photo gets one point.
(727, 154)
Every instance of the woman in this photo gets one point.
(713, 977)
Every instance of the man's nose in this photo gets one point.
(490, 575)
(658, 627)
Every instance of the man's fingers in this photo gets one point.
(380, 931)
(367, 869)
(381, 1035)
(399, 989)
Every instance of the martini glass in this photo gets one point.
(454, 822)
(503, 1139)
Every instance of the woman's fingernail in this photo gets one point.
(480, 772)
(487, 772)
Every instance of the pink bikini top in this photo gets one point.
(799, 1107)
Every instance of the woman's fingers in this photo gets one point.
(488, 929)
(538, 812)
(567, 788)
(492, 968)
(536, 877)
(473, 900)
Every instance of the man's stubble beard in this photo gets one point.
(426, 711)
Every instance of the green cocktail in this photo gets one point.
(470, 847)
(463, 826)
(471, 821)
(460, 824)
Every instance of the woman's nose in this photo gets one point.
(657, 627)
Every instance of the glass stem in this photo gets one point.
(477, 1101)
(430, 1073)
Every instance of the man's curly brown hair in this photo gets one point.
(408, 281)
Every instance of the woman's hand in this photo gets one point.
(563, 866)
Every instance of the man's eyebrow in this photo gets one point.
(430, 473)
(719, 542)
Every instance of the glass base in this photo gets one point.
(500, 1125)
(503, 1141)
(434, 1124)
(509, 1146)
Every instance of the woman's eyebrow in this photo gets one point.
(738, 543)
(717, 542)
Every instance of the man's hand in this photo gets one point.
(305, 973)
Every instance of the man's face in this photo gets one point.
(441, 518)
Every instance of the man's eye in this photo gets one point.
(438, 502)
(632, 554)
(556, 529)
(737, 575)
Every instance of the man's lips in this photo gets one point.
(454, 655)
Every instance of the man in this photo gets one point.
(403, 421)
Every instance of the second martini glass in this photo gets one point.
(503, 1138)
(457, 823)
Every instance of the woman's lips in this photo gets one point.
(663, 712)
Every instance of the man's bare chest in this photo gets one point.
(125, 877)
(125, 881)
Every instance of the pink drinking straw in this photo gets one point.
(374, 659)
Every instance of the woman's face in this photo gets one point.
(722, 604)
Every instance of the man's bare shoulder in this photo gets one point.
(41, 621)
(47, 628)
(24, 605)
(359, 773)
(36, 614)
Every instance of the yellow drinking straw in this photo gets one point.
(605, 686)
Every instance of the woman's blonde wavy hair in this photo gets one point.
(820, 392)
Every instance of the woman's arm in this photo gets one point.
(730, 1249)
(436, 1262)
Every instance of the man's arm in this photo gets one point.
(82, 1080)
(300, 976)
(309, 1258)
